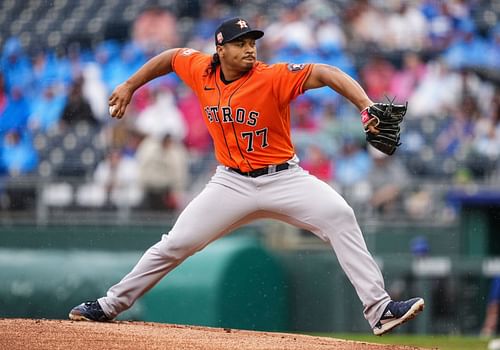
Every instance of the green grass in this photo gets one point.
(441, 342)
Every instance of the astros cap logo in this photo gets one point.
(242, 24)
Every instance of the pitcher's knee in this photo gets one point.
(348, 212)
(174, 249)
(344, 215)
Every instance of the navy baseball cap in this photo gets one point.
(234, 28)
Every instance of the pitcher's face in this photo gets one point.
(239, 55)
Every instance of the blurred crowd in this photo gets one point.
(443, 57)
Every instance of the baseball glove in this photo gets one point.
(381, 122)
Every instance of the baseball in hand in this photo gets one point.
(112, 110)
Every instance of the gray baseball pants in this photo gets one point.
(231, 200)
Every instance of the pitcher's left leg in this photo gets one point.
(302, 200)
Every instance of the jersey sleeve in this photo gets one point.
(289, 79)
(190, 65)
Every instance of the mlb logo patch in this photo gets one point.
(220, 37)
(293, 67)
(188, 52)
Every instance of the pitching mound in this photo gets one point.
(57, 334)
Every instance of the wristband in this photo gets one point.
(365, 116)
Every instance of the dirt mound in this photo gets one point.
(58, 334)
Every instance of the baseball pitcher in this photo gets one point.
(245, 106)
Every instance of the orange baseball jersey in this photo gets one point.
(249, 118)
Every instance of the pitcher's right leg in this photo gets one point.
(226, 203)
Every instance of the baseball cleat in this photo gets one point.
(396, 313)
(88, 311)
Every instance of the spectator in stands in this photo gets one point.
(77, 108)
(197, 138)
(76, 59)
(163, 172)
(132, 141)
(440, 21)
(492, 59)
(458, 132)
(484, 155)
(16, 112)
(487, 135)
(204, 27)
(352, 163)
(388, 178)
(17, 154)
(291, 28)
(331, 127)
(95, 91)
(468, 49)
(406, 80)
(18, 158)
(107, 54)
(16, 67)
(377, 75)
(329, 33)
(439, 90)
(154, 30)
(115, 183)
(46, 109)
(65, 70)
(291, 52)
(303, 114)
(406, 28)
(3, 94)
(121, 135)
(331, 53)
(131, 58)
(363, 23)
(329, 123)
(163, 116)
(54, 68)
(40, 70)
(319, 164)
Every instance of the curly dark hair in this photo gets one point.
(213, 65)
